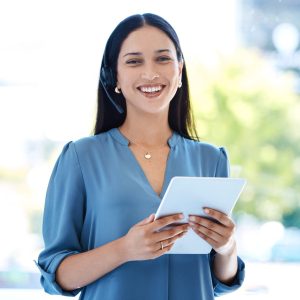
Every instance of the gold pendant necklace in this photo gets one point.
(147, 155)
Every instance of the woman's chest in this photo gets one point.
(153, 167)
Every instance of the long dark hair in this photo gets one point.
(180, 115)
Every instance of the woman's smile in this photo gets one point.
(151, 91)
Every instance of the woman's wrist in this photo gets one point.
(228, 249)
(122, 249)
(225, 264)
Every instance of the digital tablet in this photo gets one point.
(189, 195)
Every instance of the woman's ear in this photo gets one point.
(180, 67)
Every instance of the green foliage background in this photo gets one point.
(252, 109)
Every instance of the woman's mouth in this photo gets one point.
(151, 91)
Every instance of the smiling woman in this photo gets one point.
(100, 235)
(153, 73)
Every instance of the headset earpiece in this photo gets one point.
(107, 81)
(107, 77)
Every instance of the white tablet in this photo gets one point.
(189, 195)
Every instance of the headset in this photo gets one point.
(107, 80)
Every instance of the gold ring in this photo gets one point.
(162, 246)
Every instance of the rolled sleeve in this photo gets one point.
(48, 280)
(63, 218)
(221, 288)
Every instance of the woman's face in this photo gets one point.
(148, 72)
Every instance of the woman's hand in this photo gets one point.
(143, 241)
(220, 234)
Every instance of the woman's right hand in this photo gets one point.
(143, 241)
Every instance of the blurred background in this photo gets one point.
(243, 60)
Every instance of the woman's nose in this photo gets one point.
(149, 76)
(149, 73)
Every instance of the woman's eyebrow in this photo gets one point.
(163, 50)
(140, 53)
(133, 53)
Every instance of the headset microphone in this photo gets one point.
(118, 107)
(106, 80)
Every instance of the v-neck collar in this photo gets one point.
(119, 137)
(172, 141)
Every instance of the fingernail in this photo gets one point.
(192, 218)
(206, 210)
(181, 216)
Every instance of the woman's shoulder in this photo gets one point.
(213, 159)
(90, 142)
(204, 147)
(85, 146)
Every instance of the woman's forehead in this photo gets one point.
(147, 39)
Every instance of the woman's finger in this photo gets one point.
(208, 238)
(222, 243)
(171, 240)
(219, 216)
(198, 229)
(210, 224)
(147, 220)
(174, 231)
(164, 249)
(165, 221)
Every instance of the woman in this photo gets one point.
(99, 229)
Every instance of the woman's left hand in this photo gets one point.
(220, 235)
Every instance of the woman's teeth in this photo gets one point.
(151, 89)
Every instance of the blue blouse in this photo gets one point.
(97, 192)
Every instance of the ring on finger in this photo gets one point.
(161, 246)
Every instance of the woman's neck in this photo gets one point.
(151, 131)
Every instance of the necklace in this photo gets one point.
(147, 155)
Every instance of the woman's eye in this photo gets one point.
(164, 58)
(133, 62)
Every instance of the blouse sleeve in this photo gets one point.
(63, 218)
(221, 288)
(223, 170)
(223, 166)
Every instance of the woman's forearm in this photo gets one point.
(226, 265)
(79, 270)
(142, 242)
